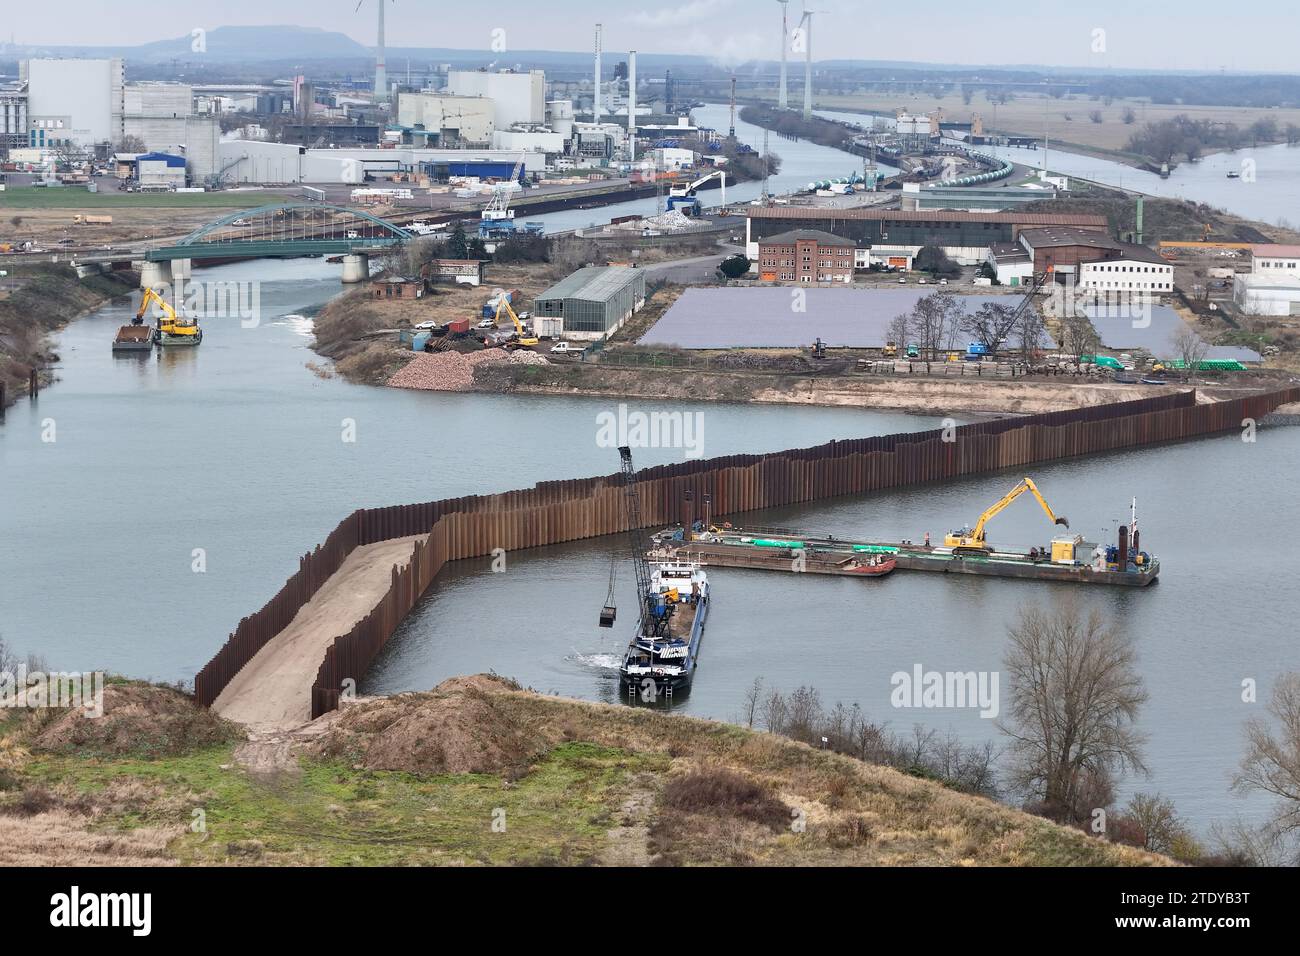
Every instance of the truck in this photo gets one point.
(82, 220)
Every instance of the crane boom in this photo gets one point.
(653, 613)
(521, 334)
(973, 539)
(151, 296)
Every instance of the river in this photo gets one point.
(801, 163)
(1268, 189)
(230, 459)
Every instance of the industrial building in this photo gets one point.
(77, 103)
(1097, 262)
(1010, 263)
(806, 256)
(969, 198)
(13, 117)
(447, 119)
(1273, 285)
(594, 302)
(532, 142)
(518, 97)
(965, 236)
(157, 113)
(160, 170)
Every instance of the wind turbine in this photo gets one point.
(807, 61)
(783, 100)
(381, 72)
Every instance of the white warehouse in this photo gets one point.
(519, 97)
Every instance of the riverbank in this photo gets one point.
(919, 395)
(37, 302)
(418, 779)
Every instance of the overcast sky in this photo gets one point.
(1159, 34)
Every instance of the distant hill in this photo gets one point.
(256, 43)
(244, 44)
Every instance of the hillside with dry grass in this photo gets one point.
(481, 772)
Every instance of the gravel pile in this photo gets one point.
(454, 371)
(671, 220)
(524, 357)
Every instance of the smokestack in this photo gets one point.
(381, 71)
(783, 99)
(1137, 238)
(596, 98)
(631, 104)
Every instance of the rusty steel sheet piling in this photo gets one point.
(552, 512)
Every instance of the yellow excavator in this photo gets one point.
(171, 329)
(971, 540)
(521, 334)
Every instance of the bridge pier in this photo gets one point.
(182, 272)
(356, 268)
(154, 275)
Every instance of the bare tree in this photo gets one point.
(990, 324)
(1095, 116)
(1156, 817)
(1032, 332)
(1190, 348)
(1075, 694)
(1078, 336)
(1129, 116)
(753, 700)
(1272, 761)
(900, 329)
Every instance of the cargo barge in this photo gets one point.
(1069, 558)
(738, 548)
(133, 338)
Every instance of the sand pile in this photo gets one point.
(138, 720)
(464, 725)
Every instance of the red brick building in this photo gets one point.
(806, 256)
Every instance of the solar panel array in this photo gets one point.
(1123, 328)
(793, 317)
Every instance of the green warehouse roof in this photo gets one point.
(597, 283)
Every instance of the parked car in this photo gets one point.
(426, 326)
(488, 324)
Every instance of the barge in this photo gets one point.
(828, 555)
(1069, 558)
(133, 338)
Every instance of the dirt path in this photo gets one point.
(629, 841)
(273, 691)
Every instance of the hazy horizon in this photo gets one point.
(1193, 35)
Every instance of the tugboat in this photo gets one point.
(673, 605)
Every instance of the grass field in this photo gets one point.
(1028, 115)
(477, 773)
(30, 197)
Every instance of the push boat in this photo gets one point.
(661, 658)
(672, 607)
